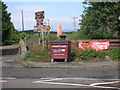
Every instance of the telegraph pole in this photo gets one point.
(22, 22)
(74, 18)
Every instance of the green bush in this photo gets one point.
(13, 39)
(91, 54)
(22, 35)
(88, 54)
(114, 53)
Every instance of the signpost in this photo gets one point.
(40, 27)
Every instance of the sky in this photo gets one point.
(56, 12)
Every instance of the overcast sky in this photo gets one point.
(56, 12)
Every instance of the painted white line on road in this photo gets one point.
(2, 81)
(104, 83)
(83, 78)
(72, 84)
(55, 79)
(89, 79)
(82, 85)
(7, 78)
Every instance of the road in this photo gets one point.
(59, 73)
(19, 77)
(15, 76)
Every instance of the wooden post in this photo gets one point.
(43, 39)
(39, 38)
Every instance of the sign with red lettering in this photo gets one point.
(97, 45)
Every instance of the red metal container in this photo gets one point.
(60, 50)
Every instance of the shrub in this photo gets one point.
(31, 36)
(22, 35)
(91, 54)
(38, 54)
(88, 54)
(114, 53)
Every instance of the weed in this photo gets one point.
(91, 54)
(38, 54)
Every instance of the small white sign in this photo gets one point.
(63, 50)
(59, 46)
(59, 54)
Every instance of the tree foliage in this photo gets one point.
(100, 20)
(9, 34)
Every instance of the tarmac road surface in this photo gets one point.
(61, 83)
(19, 72)
(59, 78)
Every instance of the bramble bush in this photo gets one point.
(88, 54)
(91, 54)
(114, 53)
(37, 54)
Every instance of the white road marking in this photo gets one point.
(73, 84)
(82, 78)
(49, 80)
(90, 79)
(2, 81)
(7, 78)
(104, 83)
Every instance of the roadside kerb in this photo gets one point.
(79, 65)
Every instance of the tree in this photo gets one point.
(0, 23)
(101, 20)
(8, 30)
